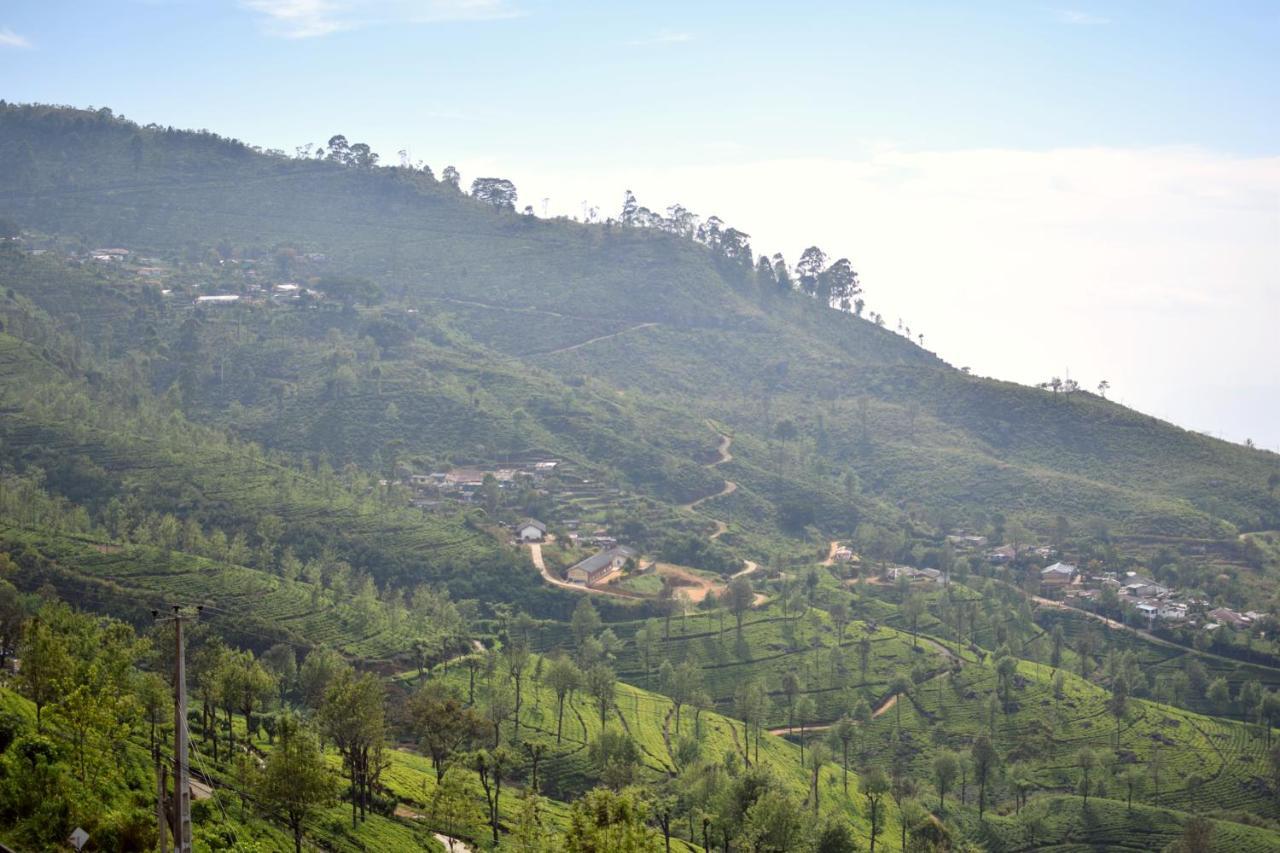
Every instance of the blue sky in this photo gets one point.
(660, 79)
(1104, 175)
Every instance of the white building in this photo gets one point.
(531, 530)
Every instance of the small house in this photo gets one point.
(967, 541)
(219, 299)
(1227, 616)
(531, 530)
(1144, 588)
(598, 566)
(1003, 554)
(1057, 575)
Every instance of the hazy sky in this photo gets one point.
(1038, 188)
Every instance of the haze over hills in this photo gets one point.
(671, 323)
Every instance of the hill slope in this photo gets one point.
(677, 327)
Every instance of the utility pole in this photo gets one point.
(162, 782)
(178, 809)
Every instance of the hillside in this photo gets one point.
(675, 327)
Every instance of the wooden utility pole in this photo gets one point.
(176, 810)
(162, 782)
(181, 770)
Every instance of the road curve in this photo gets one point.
(535, 555)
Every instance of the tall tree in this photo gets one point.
(585, 621)
(498, 192)
(984, 758)
(352, 719)
(295, 781)
(614, 822)
(844, 732)
(1087, 761)
(741, 597)
(809, 269)
(564, 677)
(839, 285)
(46, 666)
(517, 657)
(875, 784)
(601, 683)
(443, 726)
(491, 765)
(945, 768)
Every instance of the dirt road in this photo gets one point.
(535, 556)
(597, 339)
(729, 488)
(695, 586)
(724, 454)
(454, 845)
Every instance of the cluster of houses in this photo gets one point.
(1146, 596)
(1149, 598)
(108, 256)
(914, 575)
(1232, 618)
(464, 483)
(1002, 555)
(280, 293)
(591, 571)
(1006, 554)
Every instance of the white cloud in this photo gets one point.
(299, 19)
(8, 38)
(1154, 268)
(664, 37)
(1080, 19)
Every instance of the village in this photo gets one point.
(572, 541)
(212, 281)
(1142, 600)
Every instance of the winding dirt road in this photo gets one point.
(723, 454)
(573, 347)
(729, 488)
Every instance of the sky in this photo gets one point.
(1040, 189)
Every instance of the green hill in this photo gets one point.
(675, 326)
